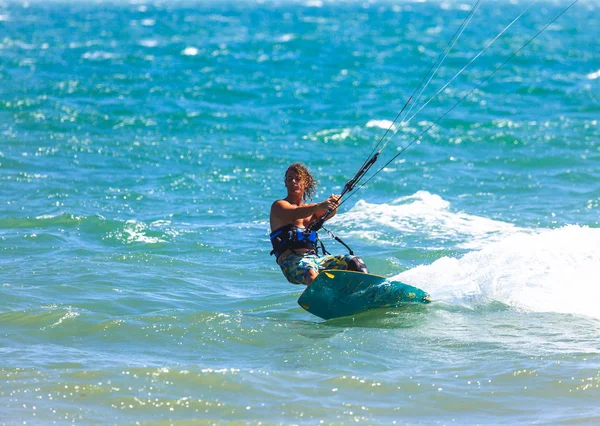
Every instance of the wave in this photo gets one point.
(124, 232)
(427, 216)
(548, 270)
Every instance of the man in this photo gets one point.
(294, 246)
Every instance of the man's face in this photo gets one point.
(294, 182)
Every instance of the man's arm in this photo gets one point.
(285, 212)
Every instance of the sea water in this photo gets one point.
(143, 142)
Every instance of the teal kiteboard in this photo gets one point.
(338, 293)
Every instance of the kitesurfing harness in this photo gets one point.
(293, 237)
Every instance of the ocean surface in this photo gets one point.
(143, 142)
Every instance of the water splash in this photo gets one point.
(549, 270)
(427, 216)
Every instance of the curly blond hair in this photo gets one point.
(310, 183)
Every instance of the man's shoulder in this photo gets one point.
(277, 211)
(280, 203)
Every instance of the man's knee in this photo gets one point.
(356, 264)
(310, 276)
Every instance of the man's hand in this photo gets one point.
(331, 203)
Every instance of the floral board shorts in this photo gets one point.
(295, 266)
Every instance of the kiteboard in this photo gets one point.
(339, 293)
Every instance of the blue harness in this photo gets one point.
(293, 237)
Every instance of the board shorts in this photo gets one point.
(295, 266)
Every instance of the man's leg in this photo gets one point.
(310, 276)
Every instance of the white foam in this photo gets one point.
(542, 271)
(382, 124)
(314, 3)
(190, 51)
(148, 43)
(594, 75)
(427, 216)
(99, 55)
(330, 135)
(136, 232)
(286, 37)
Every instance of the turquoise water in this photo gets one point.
(142, 144)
